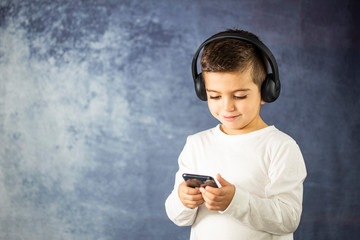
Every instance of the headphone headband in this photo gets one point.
(257, 43)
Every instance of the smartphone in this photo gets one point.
(197, 181)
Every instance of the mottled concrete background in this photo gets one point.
(96, 101)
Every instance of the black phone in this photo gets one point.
(197, 181)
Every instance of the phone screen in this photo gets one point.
(197, 181)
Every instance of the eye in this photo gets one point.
(214, 97)
(240, 97)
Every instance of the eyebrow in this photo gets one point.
(237, 90)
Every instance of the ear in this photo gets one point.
(262, 102)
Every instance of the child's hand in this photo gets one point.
(218, 199)
(190, 197)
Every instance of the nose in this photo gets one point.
(228, 104)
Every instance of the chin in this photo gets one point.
(232, 128)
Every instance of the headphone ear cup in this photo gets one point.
(269, 91)
(200, 87)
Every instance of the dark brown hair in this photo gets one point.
(230, 55)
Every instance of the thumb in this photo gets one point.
(222, 181)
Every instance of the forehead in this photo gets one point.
(228, 81)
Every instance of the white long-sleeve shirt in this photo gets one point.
(267, 169)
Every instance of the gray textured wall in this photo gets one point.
(96, 101)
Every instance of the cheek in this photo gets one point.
(248, 106)
(253, 106)
(243, 106)
(213, 108)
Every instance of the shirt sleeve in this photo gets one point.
(280, 211)
(176, 211)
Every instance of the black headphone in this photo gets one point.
(270, 88)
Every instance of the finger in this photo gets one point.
(209, 196)
(191, 191)
(222, 180)
(197, 202)
(215, 191)
(188, 190)
(193, 204)
(212, 207)
(213, 204)
(196, 197)
(191, 201)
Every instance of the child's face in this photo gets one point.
(235, 100)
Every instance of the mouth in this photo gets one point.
(230, 118)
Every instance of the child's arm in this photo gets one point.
(182, 204)
(278, 213)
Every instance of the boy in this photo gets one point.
(260, 169)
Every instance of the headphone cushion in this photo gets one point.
(200, 87)
(269, 91)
